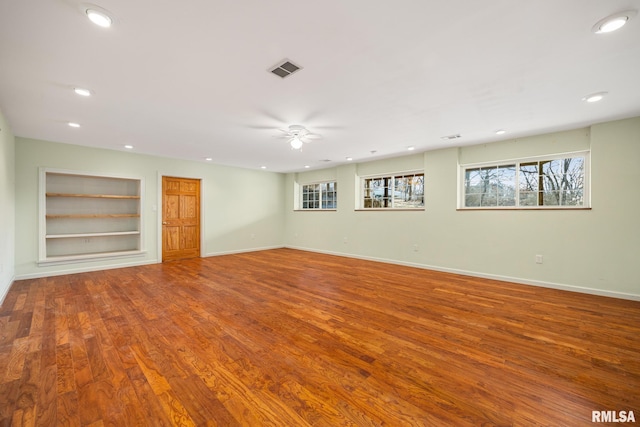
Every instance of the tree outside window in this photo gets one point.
(535, 183)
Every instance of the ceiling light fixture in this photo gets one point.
(613, 22)
(411, 148)
(81, 91)
(349, 159)
(296, 143)
(307, 166)
(128, 147)
(263, 167)
(501, 132)
(99, 17)
(74, 124)
(208, 159)
(594, 97)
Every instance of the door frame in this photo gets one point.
(158, 208)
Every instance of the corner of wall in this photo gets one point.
(8, 202)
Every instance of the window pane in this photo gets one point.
(472, 187)
(408, 191)
(551, 198)
(310, 196)
(553, 182)
(472, 200)
(329, 197)
(573, 198)
(506, 185)
(565, 178)
(473, 183)
(528, 176)
(322, 195)
(380, 192)
(488, 199)
(563, 181)
(528, 198)
(403, 191)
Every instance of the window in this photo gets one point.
(531, 183)
(393, 192)
(323, 195)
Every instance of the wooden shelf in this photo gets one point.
(76, 235)
(93, 216)
(93, 196)
(87, 216)
(63, 259)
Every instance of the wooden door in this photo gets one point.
(180, 218)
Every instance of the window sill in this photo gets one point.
(561, 208)
(390, 210)
(315, 210)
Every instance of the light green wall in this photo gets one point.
(7, 203)
(242, 209)
(593, 250)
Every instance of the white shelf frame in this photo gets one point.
(44, 259)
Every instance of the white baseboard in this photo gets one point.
(519, 280)
(6, 290)
(241, 251)
(84, 269)
(523, 281)
(129, 264)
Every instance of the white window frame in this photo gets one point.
(586, 185)
(392, 176)
(300, 194)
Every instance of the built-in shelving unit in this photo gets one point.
(85, 216)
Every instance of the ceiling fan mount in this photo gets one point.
(297, 135)
(298, 130)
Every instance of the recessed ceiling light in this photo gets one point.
(411, 148)
(613, 22)
(307, 166)
(99, 17)
(128, 147)
(349, 159)
(74, 124)
(81, 91)
(594, 97)
(263, 167)
(208, 159)
(501, 132)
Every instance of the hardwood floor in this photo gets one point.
(291, 338)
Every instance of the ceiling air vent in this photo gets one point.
(285, 68)
(451, 137)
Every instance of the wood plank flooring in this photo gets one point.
(291, 338)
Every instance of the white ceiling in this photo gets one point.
(190, 79)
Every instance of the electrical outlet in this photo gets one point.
(538, 259)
